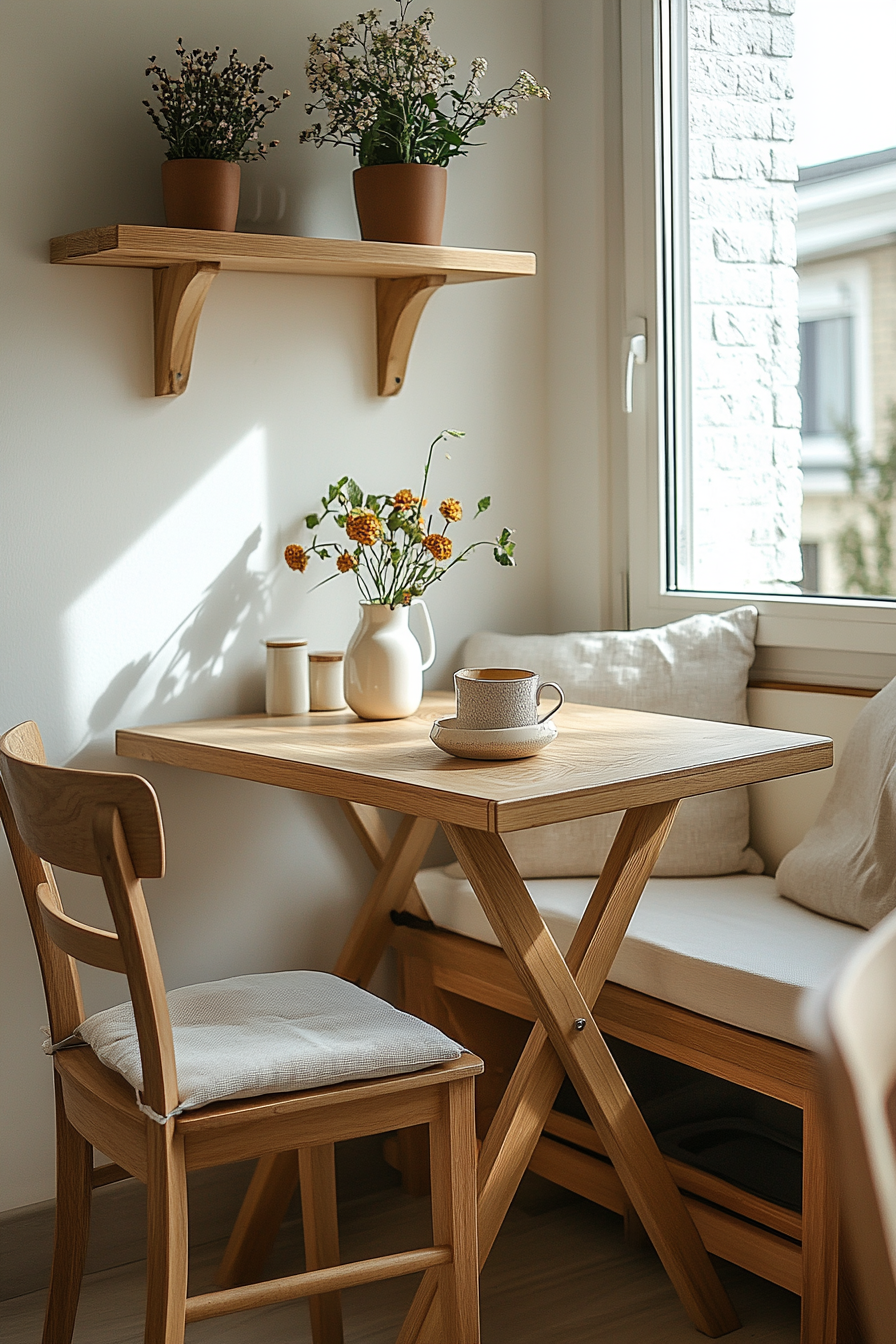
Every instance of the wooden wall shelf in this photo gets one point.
(184, 263)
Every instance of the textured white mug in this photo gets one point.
(500, 697)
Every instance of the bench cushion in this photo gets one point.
(728, 948)
(280, 1032)
(697, 668)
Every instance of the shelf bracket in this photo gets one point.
(399, 304)
(178, 293)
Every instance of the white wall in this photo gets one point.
(141, 537)
(577, 480)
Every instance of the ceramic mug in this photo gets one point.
(500, 697)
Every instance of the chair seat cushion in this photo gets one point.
(281, 1032)
(728, 948)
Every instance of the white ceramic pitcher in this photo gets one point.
(384, 664)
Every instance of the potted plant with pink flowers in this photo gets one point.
(211, 119)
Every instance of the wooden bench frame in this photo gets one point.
(444, 976)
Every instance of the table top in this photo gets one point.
(603, 760)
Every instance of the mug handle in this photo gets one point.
(429, 654)
(543, 687)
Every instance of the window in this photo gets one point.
(826, 381)
(762, 450)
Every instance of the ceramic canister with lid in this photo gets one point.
(286, 680)
(326, 671)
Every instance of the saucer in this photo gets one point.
(492, 744)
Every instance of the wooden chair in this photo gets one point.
(855, 1033)
(109, 825)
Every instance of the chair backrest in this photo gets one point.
(855, 1036)
(108, 825)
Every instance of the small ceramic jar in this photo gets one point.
(326, 680)
(286, 681)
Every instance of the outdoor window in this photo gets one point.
(775, 140)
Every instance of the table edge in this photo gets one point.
(464, 810)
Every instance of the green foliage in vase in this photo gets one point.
(212, 114)
(866, 546)
(389, 93)
(395, 551)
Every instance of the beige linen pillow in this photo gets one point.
(845, 866)
(697, 668)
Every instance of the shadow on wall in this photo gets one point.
(197, 651)
(233, 846)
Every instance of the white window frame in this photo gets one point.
(802, 628)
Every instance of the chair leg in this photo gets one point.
(317, 1175)
(74, 1164)
(821, 1224)
(258, 1222)
(453, 1163)
(166, 1234)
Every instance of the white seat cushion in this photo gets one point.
(281, 1032)
(727, 947)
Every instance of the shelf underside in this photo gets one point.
(144, 246)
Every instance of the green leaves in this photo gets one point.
(312, 521)
(484, 503)
(504, 548)
(355, 495)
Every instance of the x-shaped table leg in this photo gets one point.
(567, 1040)
(276, 1174)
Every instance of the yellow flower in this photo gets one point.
(345, 563)
(296, 557)
(404, 500)
(451, 510)
(438, 546)
(406, 597)
(363, 527)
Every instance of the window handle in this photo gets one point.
(637, 354)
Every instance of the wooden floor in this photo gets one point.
(559, 1272)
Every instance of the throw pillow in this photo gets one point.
(696, 668)
(845, 866)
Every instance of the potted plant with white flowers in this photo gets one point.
(389, 94)
(211, 120)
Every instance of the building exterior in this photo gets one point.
(846, 262)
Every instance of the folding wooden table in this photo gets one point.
(603, 760)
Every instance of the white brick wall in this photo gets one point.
(746, 485)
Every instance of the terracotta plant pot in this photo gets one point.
(401, 202)
(201, 194)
